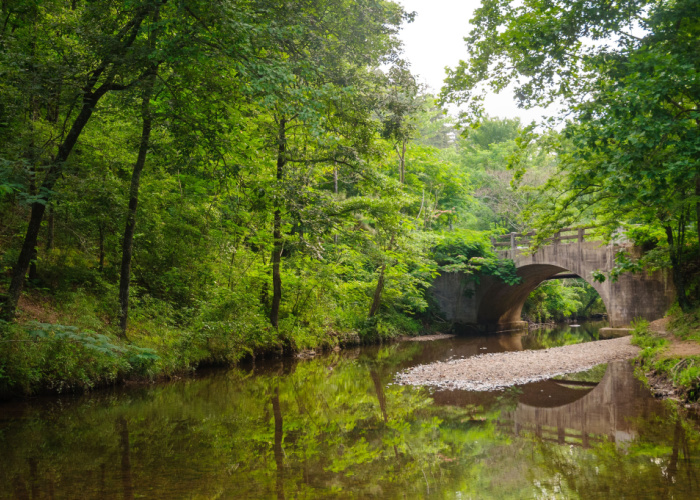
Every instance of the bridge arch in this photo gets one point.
(491, 305)
(502, 304)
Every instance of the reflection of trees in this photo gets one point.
(329, 427)
(562, 335)
(279, 434)
(127, 484)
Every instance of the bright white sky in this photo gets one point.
(435, 40)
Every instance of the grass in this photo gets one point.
(682, 371)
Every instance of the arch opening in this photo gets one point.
(502, 304)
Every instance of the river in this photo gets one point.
(335, 426)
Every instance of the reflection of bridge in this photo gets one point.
(493, 305)
(609, 409)
(572, 413)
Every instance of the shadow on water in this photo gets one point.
(336, 427)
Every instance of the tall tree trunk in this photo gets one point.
(676, 253)
(91, 96)
(376, 300)
(277, 228)
(38, 207)
(381, 397)
(379, 389)
(402, 161)
(130, 228)
(50, 229)
(697, 209)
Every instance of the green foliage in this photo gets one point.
(628, 151)
(683, 372)
(470, 253)
(57, 358)
(270, 180)
(551, 300)
(595, 374)
(557, 300)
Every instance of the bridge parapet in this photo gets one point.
(515, 242)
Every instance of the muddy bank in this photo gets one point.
(495, 371)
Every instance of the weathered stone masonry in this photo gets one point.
(492, 305)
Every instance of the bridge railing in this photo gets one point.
(560, 435)
(522, 241)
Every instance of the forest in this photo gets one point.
(193, 182)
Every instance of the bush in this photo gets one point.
(39, 356)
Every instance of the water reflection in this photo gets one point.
(336, 427)
(610, 411)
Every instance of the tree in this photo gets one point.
(316, 97)
(115, 59)
(400, 107)
(630, 149)
(144, 143)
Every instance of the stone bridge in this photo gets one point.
(492, 305)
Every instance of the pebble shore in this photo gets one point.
(489, 372)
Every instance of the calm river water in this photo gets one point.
(336, 427)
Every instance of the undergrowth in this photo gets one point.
(68, 341)
(682, 372)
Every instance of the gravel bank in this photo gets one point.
(495, 371)
(427, 338)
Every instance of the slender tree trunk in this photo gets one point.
(379, 389)
(130, 228)
(422, 202)
(277, 228)
(676, 252)
(402, 161)
(381, 397)
(91, 97)
(376, 300)
(697, 209)
(37, 213)
(50, 230)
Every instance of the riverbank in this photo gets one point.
(70, 343)
(498, 370)
(670, 356)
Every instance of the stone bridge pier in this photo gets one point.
(492, 305)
